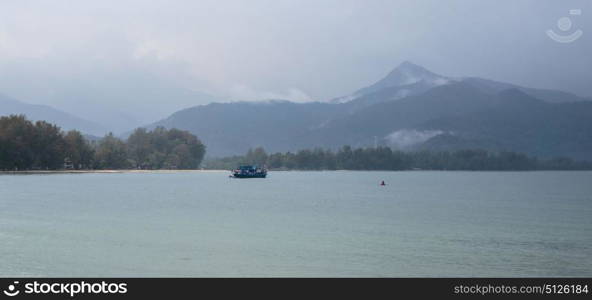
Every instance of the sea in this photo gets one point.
(297, 224)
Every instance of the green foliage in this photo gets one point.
(256, 156)
(25, 145)
(384, 158)
(79, 150)
(111, 153)
(16, 141)
(164, 149)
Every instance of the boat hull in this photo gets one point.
(249, 171)
(249, 175)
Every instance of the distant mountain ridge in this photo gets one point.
(409, 79)
(227, 127)
(551, 96)
(411, 107)
(37, 112)
(522, 123)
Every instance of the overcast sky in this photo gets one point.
(149, 58)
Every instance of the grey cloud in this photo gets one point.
(131, 54)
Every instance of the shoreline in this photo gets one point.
(131, 171)
(104, 171)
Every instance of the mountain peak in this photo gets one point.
(408, 65)
(407, 79)
(407, 73)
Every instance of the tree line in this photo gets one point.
(384, 158)
(26, 145)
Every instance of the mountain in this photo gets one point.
(405, 80)
(119, 97)
(232, 128)
(384, 118)
(550, 96)
(124, 108)
(411, 108)
(406, 73)
(461, 116)
(409, 79)
(36, 112)
(520, 123)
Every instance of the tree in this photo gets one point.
(139, 148)
(162, 148)
(25, 145)
(111, 153)
(48, 146)
(256, 156)
(16, 139)
(78, 150)
(383, 158)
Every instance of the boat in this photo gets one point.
(249, 172)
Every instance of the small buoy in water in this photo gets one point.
(382, 183)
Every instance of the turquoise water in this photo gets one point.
(297, 224)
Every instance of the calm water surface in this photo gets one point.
(297, 224)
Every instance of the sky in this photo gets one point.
(138, 61)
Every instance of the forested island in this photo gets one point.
(384, 158)
(26, 145)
